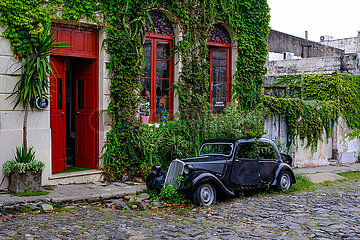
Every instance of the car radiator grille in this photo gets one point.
(176, 167)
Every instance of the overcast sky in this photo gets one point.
(336, 18)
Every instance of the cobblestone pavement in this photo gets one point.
(329, 212)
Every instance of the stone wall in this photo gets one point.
(280, 42)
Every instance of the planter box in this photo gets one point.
(20, 182)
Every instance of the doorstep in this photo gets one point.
(86, 176)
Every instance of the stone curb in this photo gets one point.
(68, 194)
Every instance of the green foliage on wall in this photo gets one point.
(25, 20)
(333, 95)
(248, 23)
(124, 23)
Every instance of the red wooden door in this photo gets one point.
(85, 114)
(57, 115)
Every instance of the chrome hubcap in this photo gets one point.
(207, 194)
(285, 181)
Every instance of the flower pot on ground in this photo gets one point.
(24, 172)
(27, 181)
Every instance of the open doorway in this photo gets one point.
(73, 114)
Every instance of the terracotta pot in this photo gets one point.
(144, 119)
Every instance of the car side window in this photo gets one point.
(247, 150)
(266, 151)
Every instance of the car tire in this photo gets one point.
(285, 181)
(205, 195)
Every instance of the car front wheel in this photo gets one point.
(205, 195)
(285, 181)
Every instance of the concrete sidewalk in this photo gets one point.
(72, 193)
(327, 173)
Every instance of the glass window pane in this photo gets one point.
(145, 94)
(147, 49)
(80, 94)
(219, 88)
(162, 69)
(59, 93)
(266, 151)
(216, 149)
(219, 57)
(162, 95)
(162, 50)
(247, 150)
(147, 69)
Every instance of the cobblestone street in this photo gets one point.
(329, 212)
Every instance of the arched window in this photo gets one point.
(219, 44)
(158, 73)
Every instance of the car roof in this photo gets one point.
(234, 140)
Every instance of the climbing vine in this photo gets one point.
(317, 102)
(124, 22)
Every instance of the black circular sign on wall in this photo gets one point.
(42, 103)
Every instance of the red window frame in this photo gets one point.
(154, 38)
(219, 46)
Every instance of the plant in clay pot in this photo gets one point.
(144, 111)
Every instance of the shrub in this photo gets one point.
(24, 160)
(170, 195)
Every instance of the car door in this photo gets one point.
(245, 167)
(267, 162)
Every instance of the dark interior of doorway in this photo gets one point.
(70, 111)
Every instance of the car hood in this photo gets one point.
(214, 164)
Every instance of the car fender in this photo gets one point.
(203, 177)
(280, 169)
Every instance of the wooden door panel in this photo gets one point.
(57, 115)
(80, 42)
(85, 118)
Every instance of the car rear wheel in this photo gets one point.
(205, 195)
(285, 181)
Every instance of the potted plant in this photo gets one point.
(144, 111)
(164, 116)
(33, 83)
(24, 172)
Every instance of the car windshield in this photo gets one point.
(216, 149)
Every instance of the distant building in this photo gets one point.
(348, 45)
(285, 46)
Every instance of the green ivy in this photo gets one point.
(124, 24)
(333, 95)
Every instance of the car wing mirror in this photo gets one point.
(286, 159)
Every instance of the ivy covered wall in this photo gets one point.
(124, 22)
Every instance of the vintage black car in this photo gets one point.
(226, 166)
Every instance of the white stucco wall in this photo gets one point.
(347, 151)
(11, 120)
(337, 147)
(104, 96)
(305, 157)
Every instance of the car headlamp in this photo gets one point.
(156, 169)
(187, 169)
